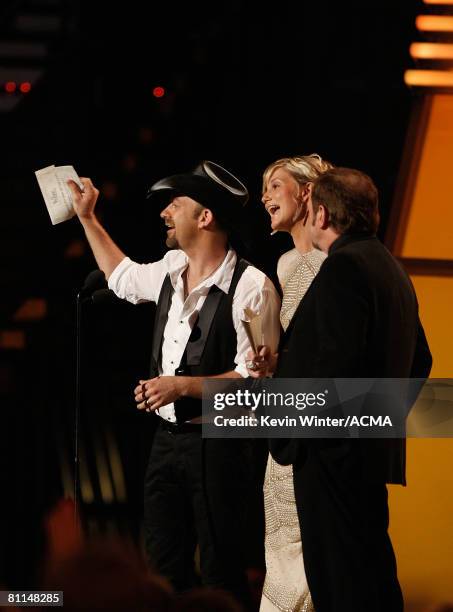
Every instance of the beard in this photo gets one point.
(171, 241)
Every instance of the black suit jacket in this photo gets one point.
(358, 319)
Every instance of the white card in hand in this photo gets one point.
(56, 193)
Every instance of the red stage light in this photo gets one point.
(25, 87)
(158, 92)
(10, 87)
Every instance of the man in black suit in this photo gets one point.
(359, 319)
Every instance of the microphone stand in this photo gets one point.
(77, 404)
(93, 282)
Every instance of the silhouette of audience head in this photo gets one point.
(107, 576)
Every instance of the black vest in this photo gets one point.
(212, 344)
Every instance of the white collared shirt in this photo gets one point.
(138, 283)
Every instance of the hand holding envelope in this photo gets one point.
(55, 191)
(260, 362)
(253, 328)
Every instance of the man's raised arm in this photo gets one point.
(105, 251)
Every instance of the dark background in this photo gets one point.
(244, 86)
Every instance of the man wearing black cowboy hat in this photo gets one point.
(195, 490)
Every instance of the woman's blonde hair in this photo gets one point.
(303, 168)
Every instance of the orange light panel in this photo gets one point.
(431, 51)
(428, 78)
(428, 232)
(434, 23)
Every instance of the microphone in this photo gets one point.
(104, 296)
(94, 281)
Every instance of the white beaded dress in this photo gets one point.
(285, 585)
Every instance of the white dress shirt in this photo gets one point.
(138, 283)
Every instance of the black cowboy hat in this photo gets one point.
(215, 188)
(209, 184)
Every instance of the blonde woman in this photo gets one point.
(286, 188)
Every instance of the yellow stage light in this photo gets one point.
(428, 78)
(435, 51)
(450, 2)
(434, 23)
